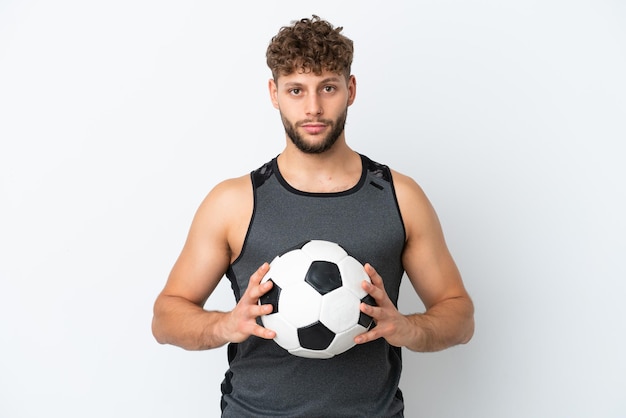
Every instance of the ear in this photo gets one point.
(273, 89)
(351, 89)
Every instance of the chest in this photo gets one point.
(366, 223)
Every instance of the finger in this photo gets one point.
(367, 336)
(255, 288)
(376, 288)
(377, 292)
(375, 312)
(265, 333)
(258, 275)
(368, 309)
(256, 310)
(256, 291)
(252, 328)
(373, 275)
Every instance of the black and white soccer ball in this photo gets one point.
(316, 297)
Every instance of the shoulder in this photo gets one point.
(376, 169)
(230, 203)
(228, 195)
(406, 187)
(232, 188)
(416, 209)
(409, 194)
(222, 218)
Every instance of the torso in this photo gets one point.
(365, 220)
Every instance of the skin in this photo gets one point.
(311, 107)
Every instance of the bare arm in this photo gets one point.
(215, 238)
(449, 316)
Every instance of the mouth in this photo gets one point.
(313, 128)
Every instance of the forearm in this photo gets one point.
(448, 323)
(180, 322)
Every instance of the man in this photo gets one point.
(317, 188)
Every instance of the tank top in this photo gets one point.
(264, 380)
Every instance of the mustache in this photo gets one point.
(324, 121)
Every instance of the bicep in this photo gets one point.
(205, 256)
(426, 258)
(197, 272)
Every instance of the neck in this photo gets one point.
(335, 170)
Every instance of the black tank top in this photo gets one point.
(265, 380)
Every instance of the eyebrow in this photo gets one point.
(324, 81)
(330, 80)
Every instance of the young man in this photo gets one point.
(317, 188)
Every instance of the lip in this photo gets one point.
(313, 128)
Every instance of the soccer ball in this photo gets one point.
(315, 298)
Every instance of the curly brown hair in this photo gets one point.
(309, 45)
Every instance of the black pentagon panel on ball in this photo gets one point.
(369, 300)
(364, 319)
(315, 336)
(323, 276)
(271, 297)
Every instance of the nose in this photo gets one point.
(314, 105)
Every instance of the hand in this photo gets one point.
(390, 323)
(241, 321)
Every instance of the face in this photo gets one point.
(313, 108)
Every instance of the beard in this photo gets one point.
(337, 127)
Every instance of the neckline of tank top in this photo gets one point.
(346, 192)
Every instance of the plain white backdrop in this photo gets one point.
(117, 117)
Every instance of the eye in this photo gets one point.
(295, 91)
(329, 89)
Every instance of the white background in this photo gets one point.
(117, 117)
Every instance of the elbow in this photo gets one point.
(157, 327)
(156, 332)
(468, 329)
(468, 332)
